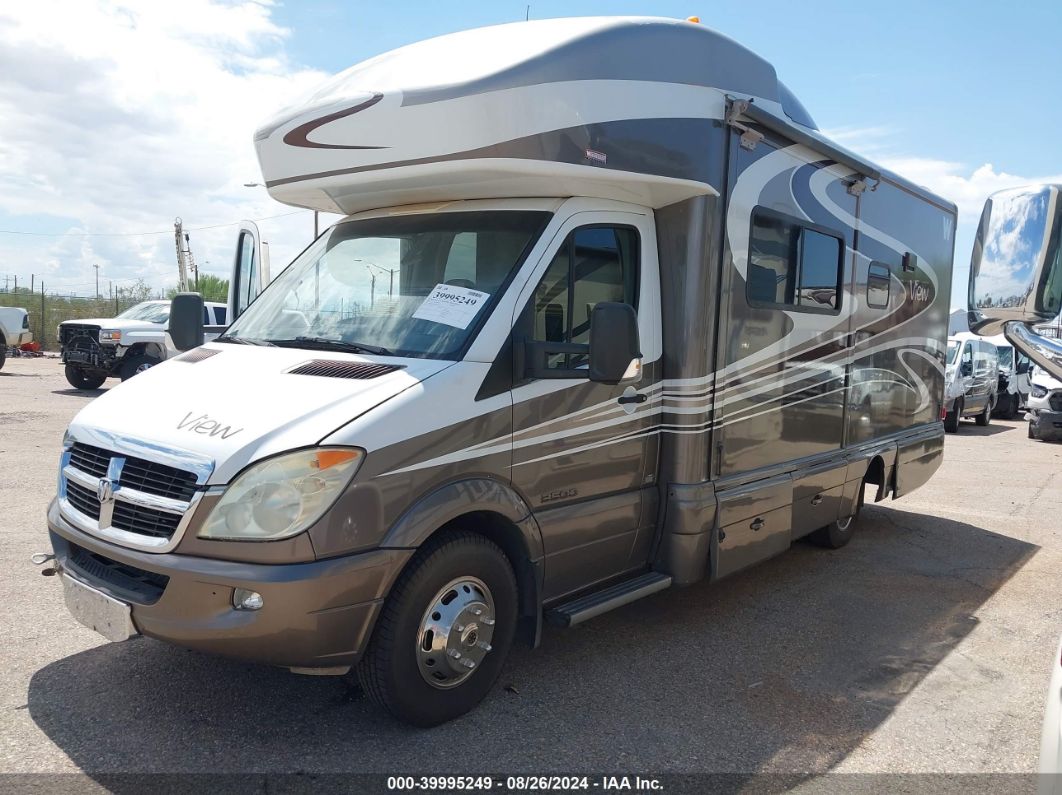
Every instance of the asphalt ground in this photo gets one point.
(923, 646)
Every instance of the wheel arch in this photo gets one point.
(495, 511)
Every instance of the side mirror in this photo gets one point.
(614, 343)
(186, 321)
(1016, 270)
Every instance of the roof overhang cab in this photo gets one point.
(608, 107)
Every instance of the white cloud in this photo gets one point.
(123, 114)
(968, 186)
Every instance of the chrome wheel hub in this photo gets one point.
(455, 633)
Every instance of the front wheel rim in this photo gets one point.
(455, 633)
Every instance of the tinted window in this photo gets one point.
(594, 264)
(793, 265)
(220, 312)
(878, 285)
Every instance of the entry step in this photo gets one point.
(597, 602)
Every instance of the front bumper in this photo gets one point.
(315, 615)
(1046, 424)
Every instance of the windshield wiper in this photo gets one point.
(241, 340)
(326, 344)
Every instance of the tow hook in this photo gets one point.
(40, 558)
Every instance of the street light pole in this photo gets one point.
(97, 267)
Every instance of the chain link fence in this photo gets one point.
(46, 311)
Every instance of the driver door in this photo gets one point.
(584, 453)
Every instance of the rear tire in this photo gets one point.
(951, 419)
(838, 533)
(3, 351)
(1013, 407)
(1032, 431)
(79, 379)
(410, 668)
(137, 364)
(985, 416)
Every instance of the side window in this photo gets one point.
(206, 316)
(594, 264)
(878, 285)
(219, 313)
(966, 362)
(792, 265)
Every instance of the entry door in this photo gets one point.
(582, 458)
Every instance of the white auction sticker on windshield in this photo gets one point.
(451, 305)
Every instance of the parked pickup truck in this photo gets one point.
(14, 329)
(120, 347)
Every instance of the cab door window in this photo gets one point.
(594, 264)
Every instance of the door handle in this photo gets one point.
(816, 499)
(757, 524)
(635, 398)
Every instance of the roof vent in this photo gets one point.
(330, 369)
(197, 355)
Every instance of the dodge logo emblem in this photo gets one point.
(105, 491)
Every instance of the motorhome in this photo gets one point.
(607, 314)
(971, 378)
(1016, 289)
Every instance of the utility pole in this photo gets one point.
(97, 267)
(182, 271)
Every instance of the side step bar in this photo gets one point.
(594, 604)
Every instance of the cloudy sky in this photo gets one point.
(115, 117)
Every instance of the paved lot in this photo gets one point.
(925, 645)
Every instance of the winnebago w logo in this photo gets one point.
(206, 426)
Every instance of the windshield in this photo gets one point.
(953, 351)
(150, 311)
(413, 285)
(1006, 356)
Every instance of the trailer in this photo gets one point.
(607, 315)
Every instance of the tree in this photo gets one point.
(212, 288)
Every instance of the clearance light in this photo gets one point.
(696, 20)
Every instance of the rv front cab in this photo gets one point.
(1016, 270)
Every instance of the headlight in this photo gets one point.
(110, 335)
(282, 496)
(1038, 391)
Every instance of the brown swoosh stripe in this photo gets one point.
(300, 135)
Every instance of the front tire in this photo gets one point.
(137, 364)
(3, 351)
(951, 419)
(444, 632)
(985, 416)
(80, 379)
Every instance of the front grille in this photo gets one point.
(1056, 401)
(69, 331)
(358, 370)
(145, 521)
(83, 499)
(147, 476)
(125, 581)
(130, 504)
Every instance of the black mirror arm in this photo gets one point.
(537, 353)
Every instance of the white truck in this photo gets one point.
(14, 329)
(100, 348)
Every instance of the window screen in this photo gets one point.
(878, 285)
(793, 265)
